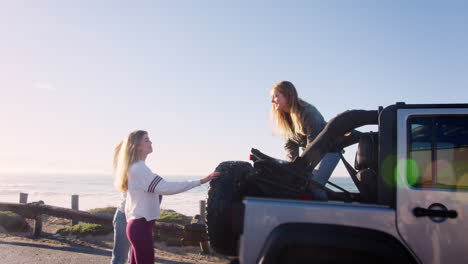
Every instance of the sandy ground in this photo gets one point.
(18, 248)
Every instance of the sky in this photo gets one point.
(78, 76)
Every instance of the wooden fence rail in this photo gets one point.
(190, 233)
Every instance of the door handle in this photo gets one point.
(435, 210)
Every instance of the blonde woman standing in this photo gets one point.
(300, 123)
(143, 188)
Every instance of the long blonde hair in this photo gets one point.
(290, 123)
(125, 154)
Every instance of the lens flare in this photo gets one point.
(413, 172)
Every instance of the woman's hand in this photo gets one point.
(213, 175)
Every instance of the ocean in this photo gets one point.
(97, 191)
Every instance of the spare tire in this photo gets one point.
(223, 196)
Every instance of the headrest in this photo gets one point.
(367, 151)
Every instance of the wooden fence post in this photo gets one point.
(75, 205)
(205, 247)
(37, 226)
(23, 198)
(37, 221)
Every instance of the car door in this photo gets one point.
(432, 183)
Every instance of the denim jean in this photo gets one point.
(322, 173)
(121, 243)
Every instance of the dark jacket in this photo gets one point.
(312, 123)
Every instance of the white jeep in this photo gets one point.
(412, 204)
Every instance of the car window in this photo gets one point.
(438, 152)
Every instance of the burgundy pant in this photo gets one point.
(140, 235)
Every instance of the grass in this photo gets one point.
(170, 216)
(13, 222)
(84, 229)
(167, 216)
(106, 211)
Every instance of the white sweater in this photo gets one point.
(144, 187)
